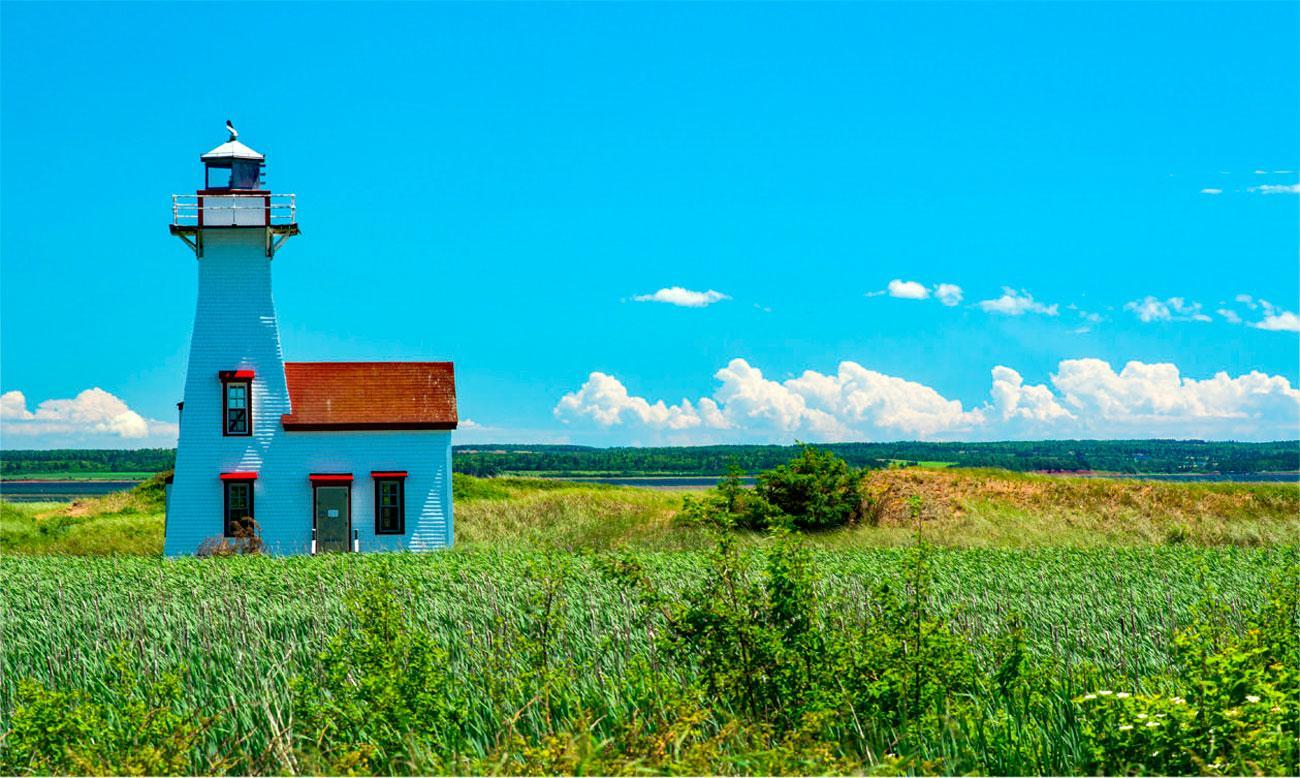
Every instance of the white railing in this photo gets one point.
(234, 209)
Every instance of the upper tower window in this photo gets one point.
(237, 402)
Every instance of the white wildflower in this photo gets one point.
(1122, 695)
(1153, 723)
(1126, 728)
(1106, 693)
(1251, 698)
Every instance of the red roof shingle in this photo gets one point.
(370, 396)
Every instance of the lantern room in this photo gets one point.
(234, 195)
(233, 166)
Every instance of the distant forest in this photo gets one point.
(1115, 456)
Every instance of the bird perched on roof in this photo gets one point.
(231, 128)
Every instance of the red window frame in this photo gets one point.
(397, 477)
(231, 378)
(227, 484)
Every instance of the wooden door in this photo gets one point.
(333, 518)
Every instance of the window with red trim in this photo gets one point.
(236, 406)
(390, 506)
(239, 508)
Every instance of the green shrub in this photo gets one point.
(817, 490)
(381, 699)
(1237, 711)
(139, 728)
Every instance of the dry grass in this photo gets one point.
(535, 515)
(998, 508)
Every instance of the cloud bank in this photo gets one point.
(92, 418)
(1086, 398)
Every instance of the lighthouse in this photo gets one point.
(298, 457)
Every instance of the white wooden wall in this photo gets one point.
(235, 329)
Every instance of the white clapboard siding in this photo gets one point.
(235, 329)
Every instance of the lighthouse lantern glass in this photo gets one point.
(234, 174)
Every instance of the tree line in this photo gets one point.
(1114, 456)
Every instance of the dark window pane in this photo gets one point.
(237, 416)
(388, 506)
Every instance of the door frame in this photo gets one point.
(341, 481)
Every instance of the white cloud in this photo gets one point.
(1014, 400)
(1231, 316)
(1276, 189)
(1150, 309)
(907, 290)
(948, 294)
(686, 298)
(606, 400)
(1149, 400)
(1085, 398)
(1211, 191)
(93, 416)
(1017, 303)
(1283, 321)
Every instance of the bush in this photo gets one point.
(1237, 711)
(139, 729)
(817, 490)
(381, 699)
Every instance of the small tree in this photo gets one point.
(817, 490)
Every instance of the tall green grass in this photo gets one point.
(241, 628)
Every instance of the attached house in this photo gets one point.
(309, 456)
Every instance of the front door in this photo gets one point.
(333, 518)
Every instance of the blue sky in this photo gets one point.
(521, 174)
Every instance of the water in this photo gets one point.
(653, 482)
(59, 491)
(1194, 477)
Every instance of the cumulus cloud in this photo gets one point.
(1154, 399)
(1086, 397)
(606, 400)
(685, 298)
(1278, 320)
(1276, 189)
(1211, 191)
(1150, 309)
(1017, 303)
(948, 294)
(907, 290)
(93, 416)
(1274, 318)
(1014, 400)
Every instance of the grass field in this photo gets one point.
(960, 509)
(558, 664)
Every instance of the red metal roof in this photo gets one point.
(370, 396)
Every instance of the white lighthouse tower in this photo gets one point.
(310, 456)
(236, 367)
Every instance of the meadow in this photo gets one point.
(1040, 624)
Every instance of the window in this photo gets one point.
(238, 415)
(239, 509)
(390, 506)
